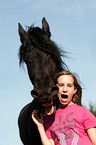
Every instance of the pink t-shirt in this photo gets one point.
(68, 126)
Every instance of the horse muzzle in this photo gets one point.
(45, 97)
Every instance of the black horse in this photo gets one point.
(43, 60)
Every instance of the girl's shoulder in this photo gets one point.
(82, 110)
(71, 108)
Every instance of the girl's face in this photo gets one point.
(66, 90)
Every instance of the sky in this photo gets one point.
(73, 27)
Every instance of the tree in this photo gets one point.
(92, 109)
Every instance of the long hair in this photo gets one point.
(78, 95)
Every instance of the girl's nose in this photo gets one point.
(64, 89)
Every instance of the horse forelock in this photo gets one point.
(36, 32)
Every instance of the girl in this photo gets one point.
(72, 124)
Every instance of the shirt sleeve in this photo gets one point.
(89, 119)
(48, 133)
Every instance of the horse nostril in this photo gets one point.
(34, 94)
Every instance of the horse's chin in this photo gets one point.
(49, 110)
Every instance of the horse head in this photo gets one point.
(43, 60)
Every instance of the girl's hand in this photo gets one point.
(39, 121)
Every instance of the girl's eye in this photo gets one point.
(60, 85)
(69, 85)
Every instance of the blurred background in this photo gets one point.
(73, 27)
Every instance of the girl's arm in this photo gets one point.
(92, 135)
(39, 122)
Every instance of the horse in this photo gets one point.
(43, 59)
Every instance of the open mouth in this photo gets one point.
(64, 96)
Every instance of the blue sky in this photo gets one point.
(73, 27)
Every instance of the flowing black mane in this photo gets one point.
(44, 44)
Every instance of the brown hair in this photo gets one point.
(78, 95)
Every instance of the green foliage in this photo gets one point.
(92, 109)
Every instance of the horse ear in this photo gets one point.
(45, 27)
(22, 33)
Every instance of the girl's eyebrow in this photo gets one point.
(60, 83)
(70, 83)
(64, 84)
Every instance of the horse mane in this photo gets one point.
(37, 38)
